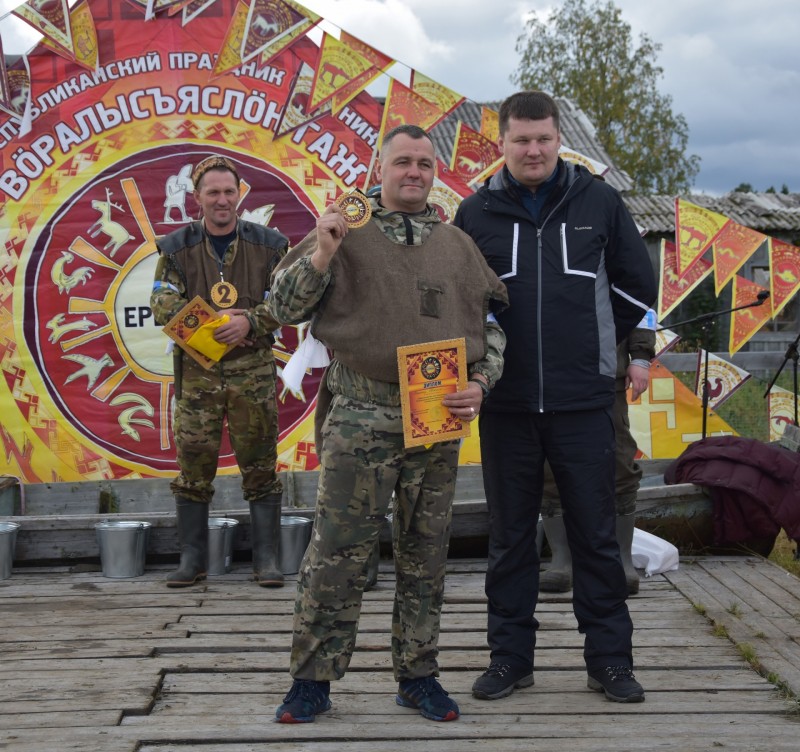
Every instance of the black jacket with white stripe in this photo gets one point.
(578, 283)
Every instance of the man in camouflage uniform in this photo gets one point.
(226, 261)
(633, 363)
(404, 278)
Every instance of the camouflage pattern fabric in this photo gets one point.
(243, 390)
(627, 471)
(363, 461)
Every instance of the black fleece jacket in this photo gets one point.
(578, 283)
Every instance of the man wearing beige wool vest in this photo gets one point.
(402, 278)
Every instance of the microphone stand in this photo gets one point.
(791, 353)
(706, 321)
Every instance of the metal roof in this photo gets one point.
(770, 213)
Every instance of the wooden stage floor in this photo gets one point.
(101, 665)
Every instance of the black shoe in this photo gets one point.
(305, 700)
(427, 696)
(500, 680)
(618, 682)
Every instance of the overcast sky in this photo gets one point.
(732, 67)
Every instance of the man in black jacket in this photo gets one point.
(579, 280)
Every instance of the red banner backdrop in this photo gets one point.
(103, 172)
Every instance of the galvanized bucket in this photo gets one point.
(295, 535)
(123, 547)
(221, 534)
(8, 540)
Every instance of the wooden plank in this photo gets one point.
(213, 665)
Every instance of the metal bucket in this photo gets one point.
(8, 539)
(221, 532)
(123, 547)
(295, 535)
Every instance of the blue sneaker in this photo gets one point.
(305, 700)
(427, 696)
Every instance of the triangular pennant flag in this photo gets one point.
(695, 231)
(445, 99)
(51, 18)
(490, 124)
(194, 8)
(672, 287)
(296, 111)
(745, 323)
(472, 154)
(784, 280)
(19, 90)
(724, 378)
(403, 106)
(781, 409)
(593, 165)
(668, 416)
(230, 56)
(666, 339)
(291, 36)
(733, 245)
(380, 64)
(84, 37)
(447, 192)
(337, 66)
(272, 25)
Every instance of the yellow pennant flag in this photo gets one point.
(380, 64)
(695, 231)
(445, 99)
(745, 323)
(84, 38)
(403, 106)
(733, 245)
(338, 66)
(672, 286)
(272, 25)
(473, 155)
(490, 124)
(52, 20)
(784, 280)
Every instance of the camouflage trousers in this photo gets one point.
(243, 391)
(363, 461)
(627, 472)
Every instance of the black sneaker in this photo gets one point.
(305, 700)
(618, 682)
(500, 680)
(427, 696)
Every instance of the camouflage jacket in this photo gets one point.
(299, 294)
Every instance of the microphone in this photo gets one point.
(762, 297)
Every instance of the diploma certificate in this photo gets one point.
(186, 322)
(428, 372)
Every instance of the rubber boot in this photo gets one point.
(373, 561)
(625, 541)
(557, 578)
(192, 522)
(265, 532)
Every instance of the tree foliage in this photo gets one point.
(586, 53)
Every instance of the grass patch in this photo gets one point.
(783, 554)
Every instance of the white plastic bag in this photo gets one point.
(653, 554)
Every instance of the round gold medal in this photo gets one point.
(355, 208)
(224, 294)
